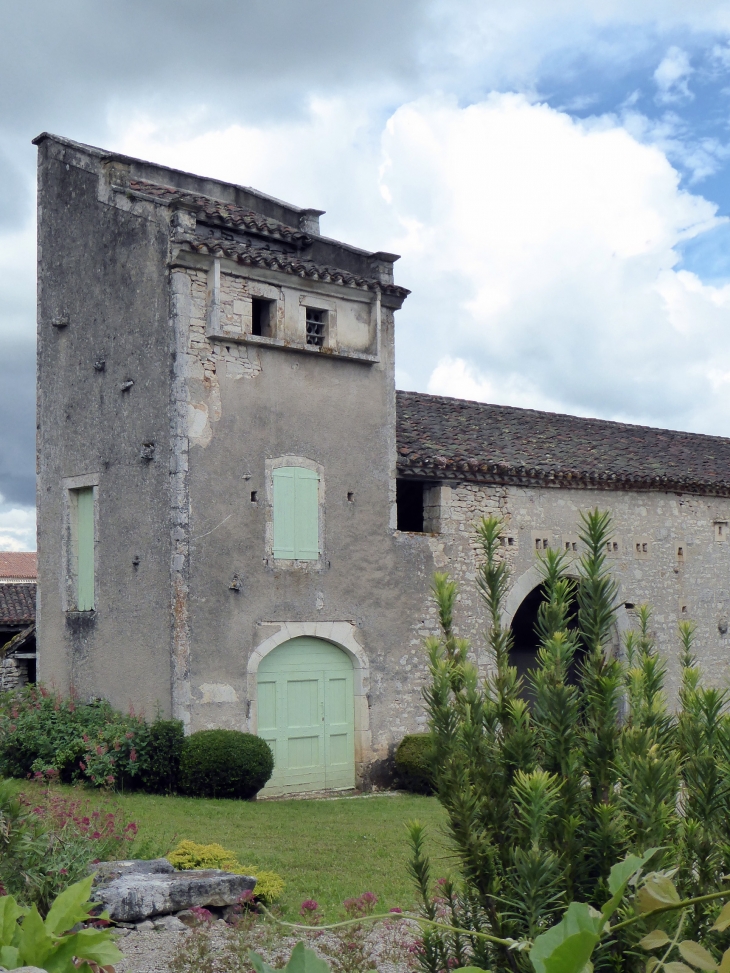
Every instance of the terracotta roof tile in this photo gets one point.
(22, 565)
(17, 604)
(444, 438)
(216, 211)
(288, 264)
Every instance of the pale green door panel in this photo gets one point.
(306, 714)
(284, 506)
(85, 549)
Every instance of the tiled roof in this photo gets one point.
(17, 604)
(22, 565)
(215, 211)
(288, 263)
(443, 438)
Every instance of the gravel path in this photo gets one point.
(387, 946)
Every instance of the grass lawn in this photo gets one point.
(327, 850)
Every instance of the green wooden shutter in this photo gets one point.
(306, 515)
(296, 513)
(284, 507)
(85, 549)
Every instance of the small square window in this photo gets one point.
(316, 322)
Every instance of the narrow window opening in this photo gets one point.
(409, 503)
(261, 317)
(254, 496)
(316, 322)
(351, 497)
(615, 547)
(510, 542)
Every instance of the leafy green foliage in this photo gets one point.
(48, 845)
(224, 763)
(543, 799)
(413, 763)
(50, 737)
(28, 940)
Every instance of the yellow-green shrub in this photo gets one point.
(189, 854)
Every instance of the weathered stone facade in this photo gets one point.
(177, 373)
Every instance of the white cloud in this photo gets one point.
(672, 77)
(541, 253)
(17, 528)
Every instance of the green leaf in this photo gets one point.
(697, 955)
(258, 963)
(568, 945)
(10, 912)
(95, 945)
(725, 962)
(304, 960)
(654, 939)
(658, 892)
(70, 907)
(723, 919)
(34, 941)
(9, 957)
(469, 969)
(677, 968)
(620, 876)
(651, 964)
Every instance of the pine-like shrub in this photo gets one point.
(413, 758)
(542, 798)
(224, 763)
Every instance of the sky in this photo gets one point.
(554, 173)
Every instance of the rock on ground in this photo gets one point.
(136, 891)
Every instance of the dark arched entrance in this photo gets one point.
(523, 655)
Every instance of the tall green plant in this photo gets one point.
(542, 799)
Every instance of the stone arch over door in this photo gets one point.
(340, 635)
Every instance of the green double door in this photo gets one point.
(306, 714)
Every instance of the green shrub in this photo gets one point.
(46, 735)
(189, 854)
(161, 771)
(413, 760)
(224, 763)
(48, 842)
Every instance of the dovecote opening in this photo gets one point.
(261, 315)
(316, 321)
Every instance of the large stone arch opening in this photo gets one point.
(520, 615)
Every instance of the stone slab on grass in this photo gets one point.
(135, 896)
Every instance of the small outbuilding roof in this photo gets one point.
(18, 566)
(17, 604)
(441, 438)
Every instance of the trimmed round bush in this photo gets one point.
(224, 763)
(413, 759)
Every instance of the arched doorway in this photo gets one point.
(306, 715)
(523, 655)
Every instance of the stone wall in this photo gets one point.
(668, 551)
